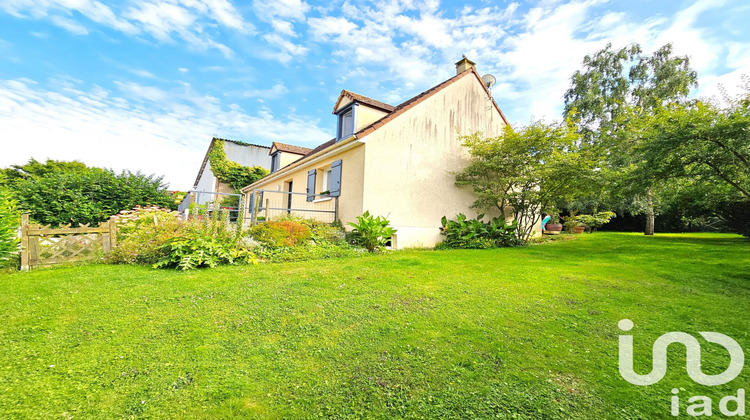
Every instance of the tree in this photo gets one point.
(70, 192)
(524, 172)
(709, 145)
(608, 101)
(10, 219)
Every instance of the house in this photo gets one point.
(207, 185)
(395, 161)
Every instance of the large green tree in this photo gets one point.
(610, 98)
(703, 143)
(525, 172)
(58, 192)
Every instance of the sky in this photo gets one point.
(143, 85)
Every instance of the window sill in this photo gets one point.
(320, 200)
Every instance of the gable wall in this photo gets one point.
(248, 155)
(409, 161)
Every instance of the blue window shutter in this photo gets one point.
(311, 184)
(336, 178)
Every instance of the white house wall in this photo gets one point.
(408, 162)
(207, 182)
(248, 155)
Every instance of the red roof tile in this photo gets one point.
(364, 100)
(290, 148)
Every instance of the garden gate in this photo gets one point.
(43, 245)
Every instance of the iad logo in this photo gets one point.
(693, 348)
(703, 405)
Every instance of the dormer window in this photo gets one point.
(346, 122)
(275, 161)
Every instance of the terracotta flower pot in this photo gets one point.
(579, 229)
(553, 228)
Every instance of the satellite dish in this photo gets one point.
(489, 80)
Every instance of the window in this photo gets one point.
(331, 180)
(346, 122)
(275, 161)
(326, 186)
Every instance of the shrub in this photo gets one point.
(10, 219)
(371, 232)
(595, 221)
(70, 192)
(141, 233)
(590, 221)
(320, 232)
(188, 253)
(308, 251)
(476, 234)
(280, 233)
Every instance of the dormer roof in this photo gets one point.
(289, 148)
(364, 100)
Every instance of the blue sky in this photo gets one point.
(144, 84)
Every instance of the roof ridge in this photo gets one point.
(240, 142)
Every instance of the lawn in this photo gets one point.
(526, 332)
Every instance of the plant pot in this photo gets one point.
(579, 229)
(553, 228)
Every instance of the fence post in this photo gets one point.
(112, 232)
(336, 210)
(25, 242)
(268, 204)
(256, 204)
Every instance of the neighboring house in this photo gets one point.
(245, 154)
(395, 161)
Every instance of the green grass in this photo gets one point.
(509, 333)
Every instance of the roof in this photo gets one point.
(398, 110)
(363, 100)
(211, 145)
(290, 148)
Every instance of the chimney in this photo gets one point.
(464, 64)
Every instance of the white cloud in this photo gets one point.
(285, 9)
(276, 91)
(288, 49)
(102, 129)
(283, 27)
(187, 19)
(324, 27)
(142, 73)
(69, 25)
(412, 44)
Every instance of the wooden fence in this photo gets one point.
(43, 245)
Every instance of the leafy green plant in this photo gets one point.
(10, 219)
(571, 222)
(280, 233)
(476, 234)
(188, 253)
(141, 233)
(590, 221)
(57, 192)
(320, 232)
(596, 220)
(371, 232)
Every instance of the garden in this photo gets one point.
(521, 332)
